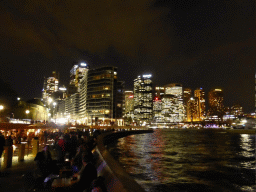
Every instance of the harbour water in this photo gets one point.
(189, 160)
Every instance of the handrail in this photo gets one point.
(116, 178)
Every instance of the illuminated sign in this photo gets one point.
(131, 96)
(218, 90)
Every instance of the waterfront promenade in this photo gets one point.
(19, 177)
(12, 179)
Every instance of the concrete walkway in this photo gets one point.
(20, 176)
(12, 179)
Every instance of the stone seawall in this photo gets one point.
(116, 178)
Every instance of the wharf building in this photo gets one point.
(143, 98)
(172, 104)
(105, 96)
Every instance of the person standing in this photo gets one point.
(2, 143)
(61, 149)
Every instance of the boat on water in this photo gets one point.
(247, 123)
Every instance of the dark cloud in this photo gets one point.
(197, 43)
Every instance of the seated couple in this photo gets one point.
(82, 180)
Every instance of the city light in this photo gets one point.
(1, 107)
(147, 76)
(27, 111)
(83, 64)
(63, 89)
(50, 100)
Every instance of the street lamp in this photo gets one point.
(27, 112)
(1, 108)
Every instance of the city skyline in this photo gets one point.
(197, 44)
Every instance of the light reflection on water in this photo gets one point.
(189, 160)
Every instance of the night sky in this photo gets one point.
(208, 43)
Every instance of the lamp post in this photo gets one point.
(54, 110)
(27, 112)
(1, 108)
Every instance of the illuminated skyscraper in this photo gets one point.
(199, 95)
(192, 110)
(172, 103)
(77, 73)
(105, 94)
(81, 83)
(129, 102)
(143, 98)
(51, 85)
(216, 106)
(157, 110)
(77, 92)
(186, 95)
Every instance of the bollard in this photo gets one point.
(21, 152)
(8, 152)
(35, 144)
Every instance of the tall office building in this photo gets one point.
(143, 98)
(51, 85)
(186, 96)
(129, 102)
(192, 110)
(81, 83)
(172, 102)
(75, 103)
(216, 106)
(199, 95)
(159, 92)
(77, 73)
(104, 95)
(157, 110)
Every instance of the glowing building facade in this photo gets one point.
(186, 96)
(129, 103)
(81, 83)
(143, 98)
(51, 85)
(216, 106)
(172, 104)
(105, 95)
(192, 110)
(199, 95)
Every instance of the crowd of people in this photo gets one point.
(73, 150)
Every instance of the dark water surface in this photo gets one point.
(189, 160)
